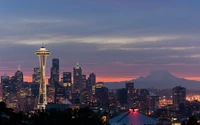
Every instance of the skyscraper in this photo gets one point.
(19, 76)
(92, 82)
(54, 72)
(144, 99)
(131, 94)
(179, 96)
(84, 81)
(77, 74)
(122, 96)
(36, 75)
(154, 102)
(67, 83)
(67, 77)
(42, 98)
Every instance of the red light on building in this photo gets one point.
(130, 110)
(135, 110)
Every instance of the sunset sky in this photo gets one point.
(116, 39)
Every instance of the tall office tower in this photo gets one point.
(84, 81)
(5, 79)
(19, 76)
(50, 93)
(179, 96)
(67, 77)
(130, 94)
(154, 102)
(84, 98)
(92, 82)
(77, 74)
(102, 96)
(35, 87)
(67, 83)
(36, 75)
(1, 92)
(122, 96)
(42, 98)
(59, 93)
(112, 100)
(144, 99)
(54, 72)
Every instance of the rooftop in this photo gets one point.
(134, 118)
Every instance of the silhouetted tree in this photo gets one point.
(192, 121)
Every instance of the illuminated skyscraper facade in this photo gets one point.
(67, 83)
(144, 99)
(179, 96)
(36, 75)
(92, 82)
(77, 75)
(67, 77)
(54, 72)
(84, 81)
(19, 76)
(42, 98)
(130, 94)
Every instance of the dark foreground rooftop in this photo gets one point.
(134, 118)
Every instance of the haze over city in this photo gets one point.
(118, 40)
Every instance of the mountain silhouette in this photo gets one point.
(157, 79)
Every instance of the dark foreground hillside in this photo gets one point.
(81, 116)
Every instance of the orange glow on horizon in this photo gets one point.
(193, 78)
(99, 79)
(111, 79)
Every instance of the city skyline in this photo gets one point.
(117, 40)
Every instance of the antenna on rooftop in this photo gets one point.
(19, 67)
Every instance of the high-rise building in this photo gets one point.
(50, 93)
(122, 96)
(179, 96)
(154, 102)
(19, 76)
(112, 100)
(67, 77)
(1, 92)
(144, 99)
(5, 79)
(102, 96)
(84, 98)
(35, 87)
(130, 94)
(42, 98)
(92, 82)
(36, 75)
(59, 93)
(77, 77)
(67, 83)
(84, 81)
(54, 72)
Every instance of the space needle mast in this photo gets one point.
(42, 53)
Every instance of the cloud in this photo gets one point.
(115, 39)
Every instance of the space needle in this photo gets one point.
(42, 53)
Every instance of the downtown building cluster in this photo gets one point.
(74, 89)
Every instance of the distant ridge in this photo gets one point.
(157, 79)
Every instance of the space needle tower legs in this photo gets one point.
(42, 53)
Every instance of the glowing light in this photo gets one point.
(131, 110)
(135, 110)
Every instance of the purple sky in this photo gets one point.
(116, 39)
